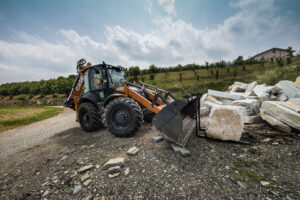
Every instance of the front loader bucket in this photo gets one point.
(177, 119)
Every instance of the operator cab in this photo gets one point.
(101, 79)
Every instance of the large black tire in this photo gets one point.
(89, 117)
(123, 117)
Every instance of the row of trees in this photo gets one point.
(61, 85)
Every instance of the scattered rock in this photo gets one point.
(114, 162)
(227, 167)
(97, 166)
(54, 178)
(266, 140)
(226, 123)
(126, 172)
(77, 189)
(241, 85)
(85, 168)
(113, 170)
(274, 122)
(264, 183)
(252, 106)
(157, 138)
(113, 175)
(289, 89)
(250, 87)
(183, 151)
(242, 185)
(224, 95)
(281, 113)
(46, 193)
(132, 151)
(87, 182)
(90, 197)
(213, 99)
(85, 177)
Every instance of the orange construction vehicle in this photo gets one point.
(102, 97)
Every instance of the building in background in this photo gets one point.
(272, 53)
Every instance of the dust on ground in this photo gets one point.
(215, 169)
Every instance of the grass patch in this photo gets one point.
(268, 162)
(245, 163)
(13, 123)
(248, 175)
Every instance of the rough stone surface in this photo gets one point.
(113, 170)
(297, 82)
(213, 99)
(252, 119)
(77, 189)
(181, 150)
(289, 89)
(126, 172)
(295, 101)
(281, 113)
(275, 123)
(291, 106)
(133, 151)
(85, 168)
(114, 162)
(157, 138)
(250, 87)
(89, 197)
(238, 84)
(203, 98)
(224, 95)
(251, 105)
(113, 175)
(87, 182)
(264, 91)
(204, 111)
(226, 123)
(85, 177)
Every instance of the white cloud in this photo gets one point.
(148, 6)
(168, 6)
(174, 42)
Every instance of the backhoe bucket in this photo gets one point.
(177, 120)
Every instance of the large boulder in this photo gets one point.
(226, 122)
(239, 86)
(281, 113)
(265, 92)
(224, 95)
(274, 122)
(288, 89)
(251, 105)
(250, 87)
(295, 101)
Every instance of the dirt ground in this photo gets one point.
(214, 170)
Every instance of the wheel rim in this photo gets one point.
(120, 118)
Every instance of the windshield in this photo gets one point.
(116, 77)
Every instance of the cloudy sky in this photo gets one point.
(42, 39)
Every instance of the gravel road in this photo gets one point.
(25, 137)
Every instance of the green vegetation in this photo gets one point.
(19, 117)
(180, 80)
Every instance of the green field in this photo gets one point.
(269, 73)
(12, 117)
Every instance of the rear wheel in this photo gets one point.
(123, 117)
(89, 117)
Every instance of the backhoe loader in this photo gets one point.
(102, 97)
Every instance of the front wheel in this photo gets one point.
(123, 117)
(89, 117)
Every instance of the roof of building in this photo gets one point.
(270, 50)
